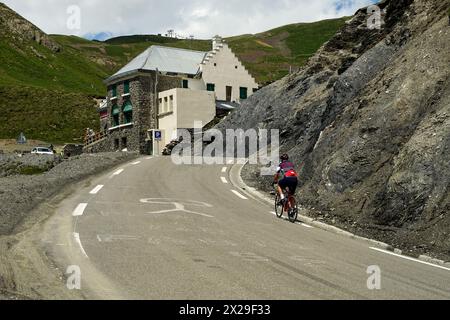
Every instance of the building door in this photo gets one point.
(229, 93)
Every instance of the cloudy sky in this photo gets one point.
(200, 18)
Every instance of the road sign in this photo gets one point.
(158, 135)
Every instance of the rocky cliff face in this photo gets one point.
(369, 119)
(14, 26)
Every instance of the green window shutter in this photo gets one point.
(128, 107)
(126, 87)
(115, 110)
(185, 84)
(243, 93)
(114, 91)
(128, 112)
(128, 116)
(211, 87)
(115, 120)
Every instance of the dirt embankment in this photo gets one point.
(22, 198)
(369, 119)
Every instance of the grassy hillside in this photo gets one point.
(48, 82)
(48, 115)
(270, 55)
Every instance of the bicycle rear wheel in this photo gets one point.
(293, 213)
(278, 208)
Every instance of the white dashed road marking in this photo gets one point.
(96, 189)
(410, 259)
(239, 195)
(224, 169)
(224, 180)
(135, 163)
(79, 211)
(118, 172)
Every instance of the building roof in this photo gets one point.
(165, 60)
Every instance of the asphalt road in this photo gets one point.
(154, 230)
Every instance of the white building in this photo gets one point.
(169, 89)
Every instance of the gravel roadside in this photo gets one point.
(19, 194)
(20, 197)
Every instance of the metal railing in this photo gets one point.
(93, 137)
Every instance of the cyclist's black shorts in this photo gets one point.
(289, 182)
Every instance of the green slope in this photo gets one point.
(269, 55)
(49, 115)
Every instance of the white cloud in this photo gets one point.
(198, 17)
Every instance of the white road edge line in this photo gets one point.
(136, 163)
(297, 223)
(78, 241)
(305, 225)
(239, 195)
(96, 189)
(224, 180)
(79, 211)
(410, 259)
(224, 170)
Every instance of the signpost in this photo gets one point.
(21, 139)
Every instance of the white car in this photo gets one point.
(40, 150)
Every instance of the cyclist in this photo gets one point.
(286, 178)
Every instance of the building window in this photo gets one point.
(185, 84)
(171, 104)
(243, 93)
(128, 112)
(166, 105)
(126, 87)
(124, 143)
(114, 91)
(229, 93)
(211, 87)
(115, 115)
(235, 67)
(215, 64)
(116, 144)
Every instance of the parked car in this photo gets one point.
(40, 150)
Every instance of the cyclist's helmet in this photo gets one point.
(284, 157)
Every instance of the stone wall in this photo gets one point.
(71, 150)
